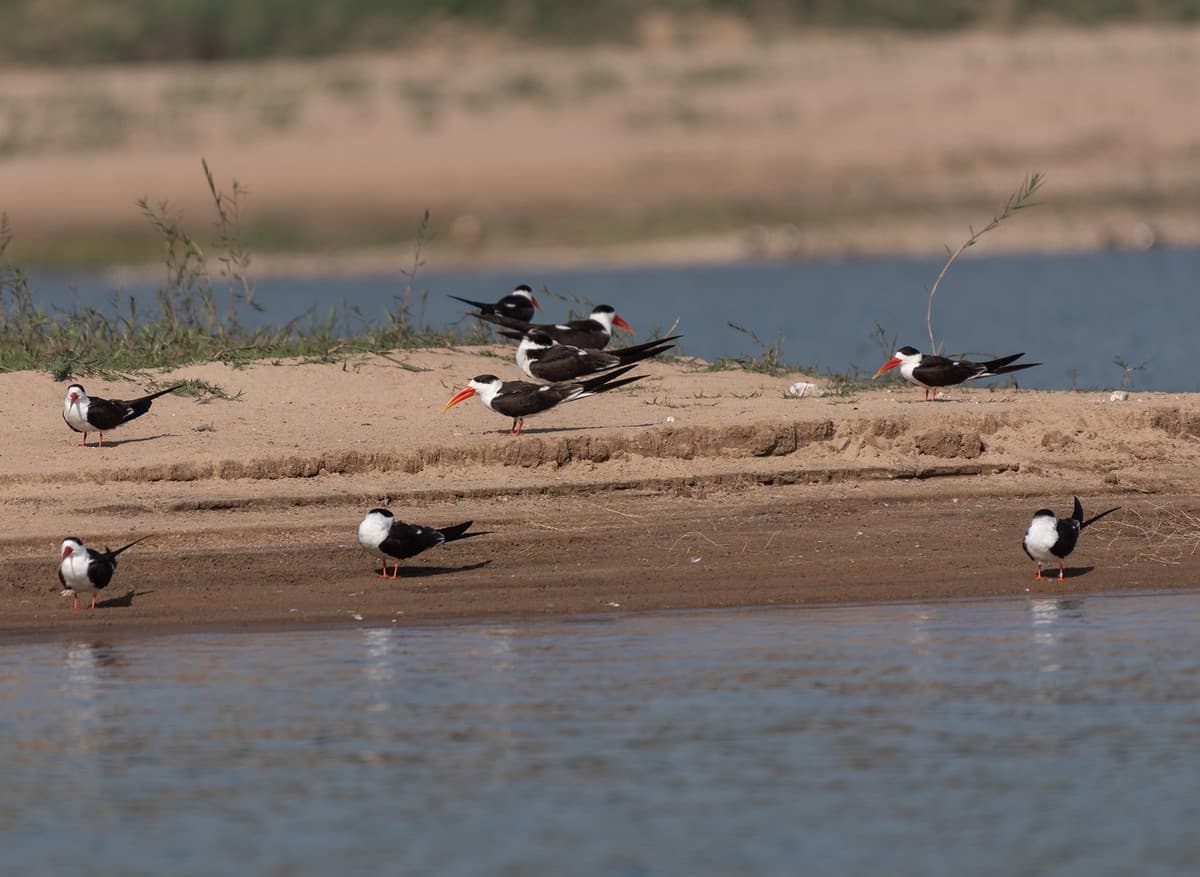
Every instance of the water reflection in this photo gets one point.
(87, 666)
(1056, 623)
(910, 739)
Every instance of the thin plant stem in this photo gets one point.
(1019, 200)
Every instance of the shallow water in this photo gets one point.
(1073, 312)
(1047, 735)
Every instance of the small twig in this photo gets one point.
(622, 514)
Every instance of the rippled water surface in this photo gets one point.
(1040, 736)
(1072, 312)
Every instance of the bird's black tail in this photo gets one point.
(1006, 369)
(154, 396)
(110, 554)
(142, 405)
(1078, 514)
(459, 531)
(608, 381)
(502, 320)
(993, 364)
(638, 352)
(484, 307)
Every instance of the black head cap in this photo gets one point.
(524, 287)
(383, 512)
(909, 351)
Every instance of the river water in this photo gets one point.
(1075, 313)
(1020, 736)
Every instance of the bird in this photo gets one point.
(521, 399)
(82, 567)
(931, 371)
(593, 333)
(382, 534)
(84, 413)
(1048, 539)
(517, 305)
(542, 359)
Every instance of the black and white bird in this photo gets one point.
(517, 306)
(594, 333)
(541, 358)
(521, 399)
(1049, 540)
(83, 568)
(380, 533)
(931, 371)
(84, 413)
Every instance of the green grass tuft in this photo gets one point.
(198, 312)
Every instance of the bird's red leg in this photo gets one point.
(83, 444)
(396, 569)
(1061, 569)
(75, 608)
(93, 606)
(520, 425)
(1038, 577)
(512, 430)
(101, 443)
(383, 572)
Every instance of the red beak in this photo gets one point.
(536, 306)
(617, 321)
(67, 550)
(74, 397)
(465, 393)
(890, 364)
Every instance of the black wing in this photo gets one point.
(563, 363)
(100, 569)
(510, 309)
(406, 540)
(521, 398)
(106, 414)
(1068, 535)
(938, 371)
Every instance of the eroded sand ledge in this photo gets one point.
(747, 498)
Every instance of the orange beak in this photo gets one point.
(465, 393)
(890, 364)
(536, 306)
(617, 321)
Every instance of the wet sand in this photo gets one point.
(746, 497)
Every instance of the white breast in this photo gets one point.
(76, 415)
(74, 570)
(906, 371)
